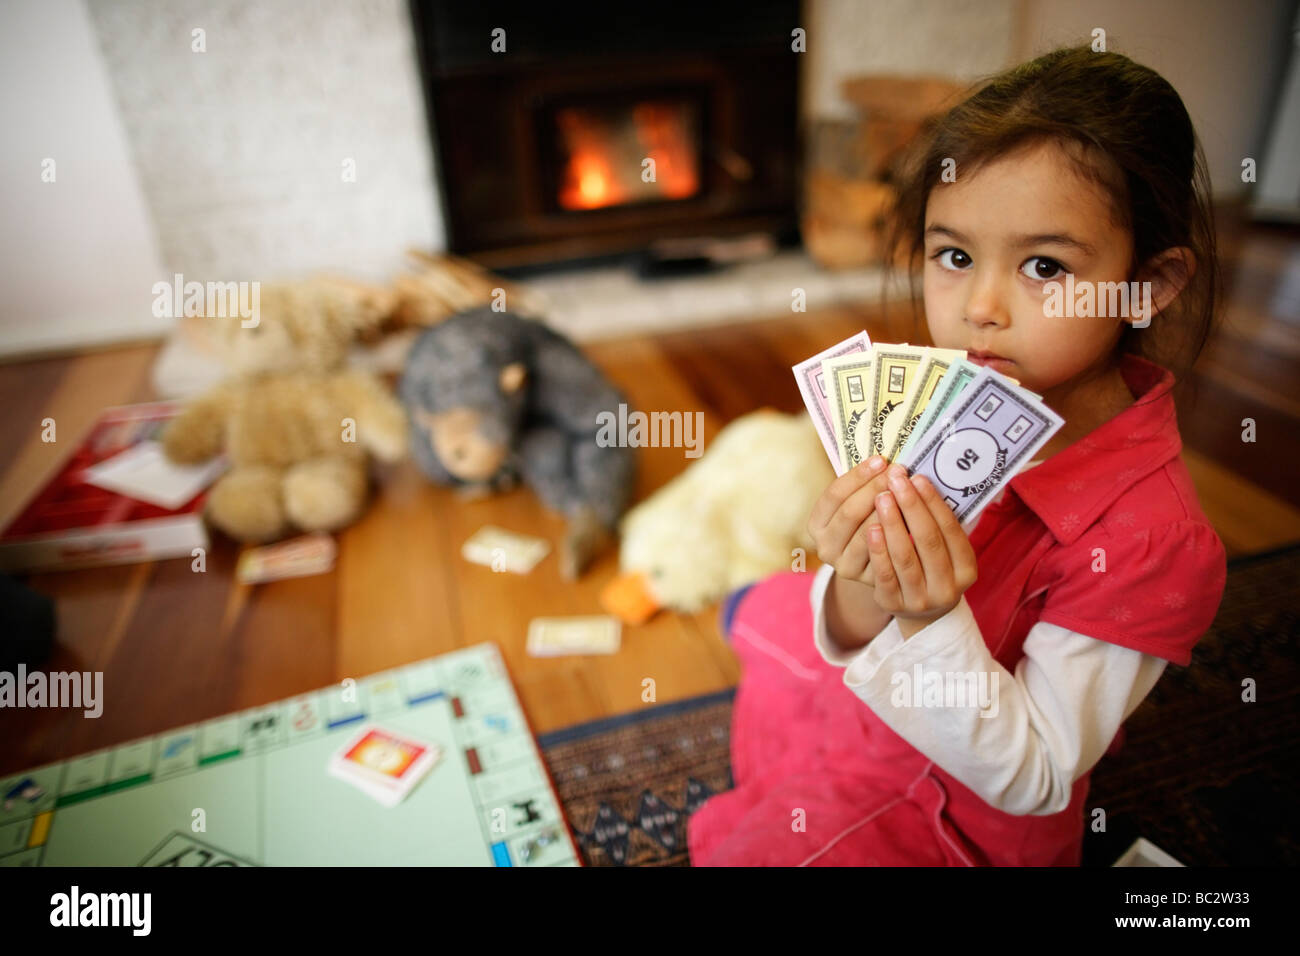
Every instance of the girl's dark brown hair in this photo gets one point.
(1127, 130)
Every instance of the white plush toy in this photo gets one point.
(735, 516)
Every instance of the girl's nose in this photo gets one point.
(987, 306)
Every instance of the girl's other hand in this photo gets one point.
(839, 519)
(922, 559)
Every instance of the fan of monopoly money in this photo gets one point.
(966, 427)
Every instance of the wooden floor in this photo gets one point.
(178, 647)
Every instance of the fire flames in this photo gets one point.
(607, 153)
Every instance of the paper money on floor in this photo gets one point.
(503, 550)
(562, 636)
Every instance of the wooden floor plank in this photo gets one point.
(1212, 419)
(397, 601)
(1248, 519)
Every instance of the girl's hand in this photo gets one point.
(837, 524)
(918, 577)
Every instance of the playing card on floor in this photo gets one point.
(298, 557)
(503, 550)
(562, 636)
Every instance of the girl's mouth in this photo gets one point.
(990, 360)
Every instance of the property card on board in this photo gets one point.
(383, 763)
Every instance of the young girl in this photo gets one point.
(1093, 568)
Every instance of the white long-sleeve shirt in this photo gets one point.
(1051, 721)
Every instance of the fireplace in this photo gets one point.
(599, 131)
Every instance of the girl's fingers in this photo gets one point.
(840, 490)
(868, 575)
(907, 567)
(835, 536)
(960, 552)
(840, 527)
(930, 543)
(855, 509)
(855, 557)
(887, 594)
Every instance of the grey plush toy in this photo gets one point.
(493, 398)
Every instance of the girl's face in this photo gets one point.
(994, 239)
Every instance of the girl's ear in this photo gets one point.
(1168, 272)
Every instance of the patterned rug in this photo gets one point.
(629, 783)
(1207, 777)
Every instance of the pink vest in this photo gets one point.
(1105, 538)
(1118, 491)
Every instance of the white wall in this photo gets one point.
(1278, 195)
(241, 148)
(78, 257)
(963, 39)
(1225, 57)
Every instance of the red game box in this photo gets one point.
(72, 523)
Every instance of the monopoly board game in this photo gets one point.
(260, 779)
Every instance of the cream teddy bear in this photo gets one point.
(296, 425)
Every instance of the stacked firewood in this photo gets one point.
(853, 164)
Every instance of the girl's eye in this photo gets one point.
(953, 259)
(1043, 268)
